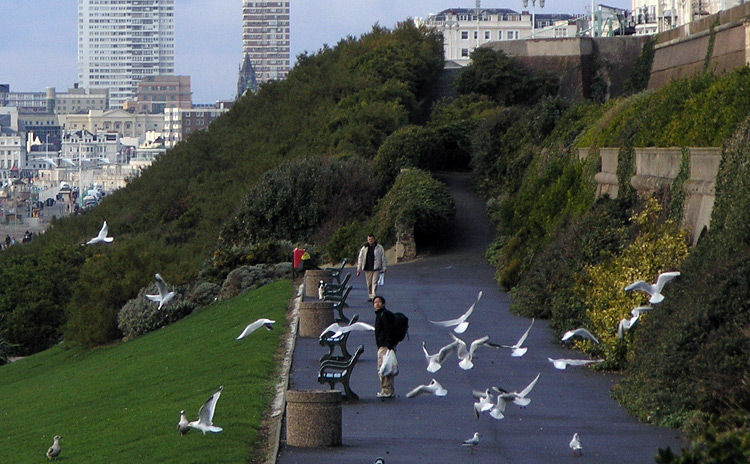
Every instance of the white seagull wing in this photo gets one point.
(529, 387)
(641, 286)
(663, 278)
(253, 326)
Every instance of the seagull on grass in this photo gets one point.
(460, 324)
(183, 426)
(252, 327)
(576, 446)
(54, 451)
(580, 332)
(517, 350)
(435, 361)
(433, 388)
(205, 422)
(655, 289)
(467, 354)
(102, 237)
(564, 363)
(339, 330)
(164, 294)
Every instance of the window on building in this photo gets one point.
(475, 35)
(499, 35)
(487, 35)
(464, 52)
(464, 35)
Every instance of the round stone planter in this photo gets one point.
(312, 281)
(313, 418)
(314, 317)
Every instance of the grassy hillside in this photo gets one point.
(121, 403)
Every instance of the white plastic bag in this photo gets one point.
(389, 367)
(381, 279)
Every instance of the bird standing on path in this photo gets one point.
(102, 237)
(655, 289)
(460, 324)
(54, 451)
(164, 294)
(183, 426)
(206, 415)
(576, 446)
(253, 326)
(472, 442)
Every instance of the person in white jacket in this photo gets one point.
(372, 260)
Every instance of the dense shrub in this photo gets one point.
(203, 294)
(227, 258)
(346, 242)
(140, 315)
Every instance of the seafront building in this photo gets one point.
(122, 41)
(265, 43)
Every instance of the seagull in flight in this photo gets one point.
(435, 361)
(183, 426)
(206, 415)
(518, 398)
(564, 363)
(655, 289)
(54, 451)
(339, 330)
(576, 446)
(433, 388)
(253, 326)
(485, 401)
(102, 237)
(164, 294)
(460, 324)
(580, 332)
(518, 351)
(467, 354)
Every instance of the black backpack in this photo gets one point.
(400, 326)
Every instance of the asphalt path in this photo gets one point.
(440, 285)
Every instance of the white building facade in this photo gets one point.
(265, 38)
(654, 16)
(122, 41)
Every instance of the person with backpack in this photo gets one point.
(390, 329)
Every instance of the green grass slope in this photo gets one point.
(122, 403)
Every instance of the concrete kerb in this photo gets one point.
(279, 401)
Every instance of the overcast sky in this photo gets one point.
(38, 37)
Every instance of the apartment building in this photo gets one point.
(155, 93)
(654, 16)
(265, 38)
(122, 41)
(179, 123)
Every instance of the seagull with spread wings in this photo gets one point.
(435, 361)
(102, 237)
(460, 324)
(164, 295)
(205, 422)
(655, 289)
(517, 350)
(253, 326)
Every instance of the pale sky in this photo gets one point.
(38, 37)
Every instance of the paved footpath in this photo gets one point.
(429, 429)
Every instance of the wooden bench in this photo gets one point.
(332, 342)
(333, 372)
(336, 289)
(339, 302)
(336, 271)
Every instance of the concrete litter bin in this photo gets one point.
(313, 418)
(314, 317)
(312, 281)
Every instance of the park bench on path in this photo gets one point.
(333, 372)
(336, 289)
(332, 342)
(339, 302)
(336, 271)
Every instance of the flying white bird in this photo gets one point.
(472, 442)
(252, 327)
(54, 451)
(380, 461)
(466, 355)
(485, 401)
(433, 388)
(518, 351)
(518, 398)
(102, 237)
(435, 361)
(576, 446)
(164, 294)
(339, 330)
(321, 290)
(183, 426)
(460, 324)
(627, 324)
(655, 289)
(563, 363)
(206, 415)
(580, 332)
